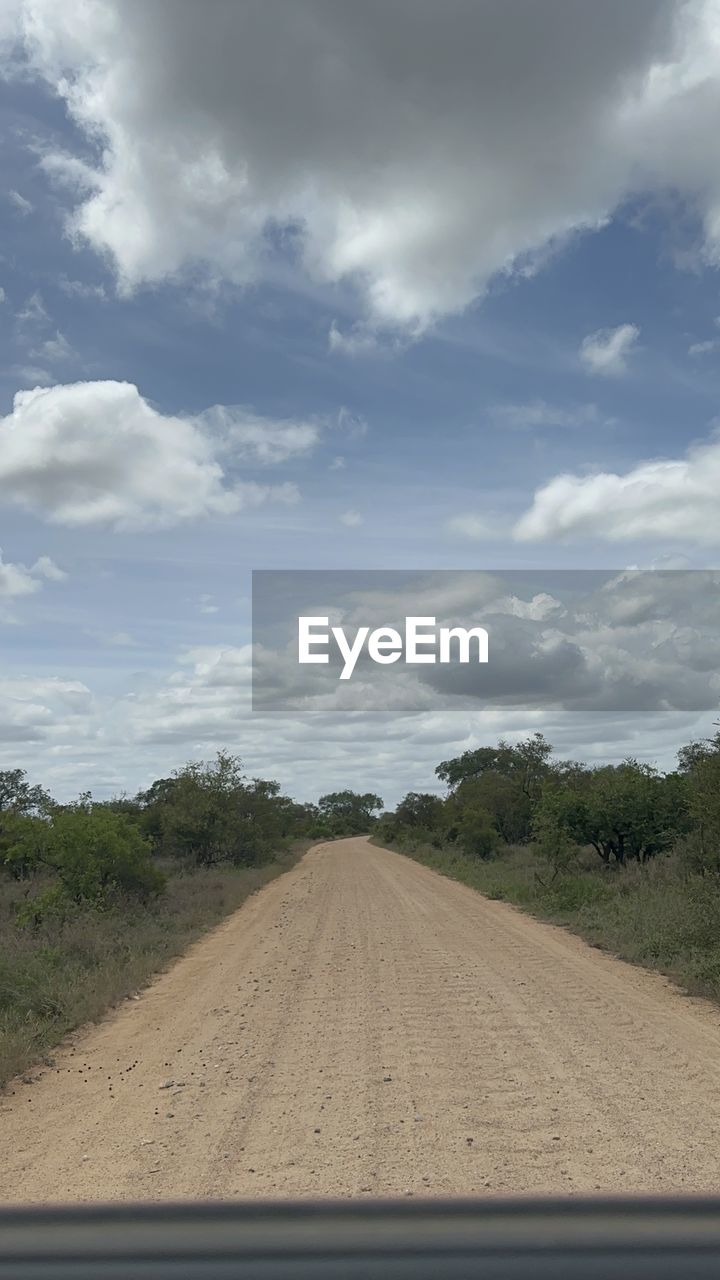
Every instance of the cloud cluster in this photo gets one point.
(417, 148)
(97, 453)
(17, 580)
(604, 667)
(45, 709)
(664, 499)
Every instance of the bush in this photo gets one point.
(210, 812)
(96, 855)
(477, 834)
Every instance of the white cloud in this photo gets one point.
(32, 375)
(352, 519)
(337, 464)
(360, 341)
(114, 639)
(33, 313)
(606, 351)
(539, 609)
(534, 123)
(47, 568)
(98, 453)
(57, 350)
(17, 580)
(19, 202)
(538, 414)
(80, 289)
(658, 499)
(477, 527)
(206, 605)
(32, 320)
(45, 709)
(206, 701)
(3, 295)
(704, 348)
(353, 424)
(262, 440)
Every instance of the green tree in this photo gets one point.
(197, 813)
(210, 812)
(23, 812)
(17, 795)
(526, 763)
(699, 765)
(348, 813)
(504, 799)
(420, 810)
(626, 812)
(558, 829)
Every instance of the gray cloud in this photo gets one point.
(592, 642)
(418, 149)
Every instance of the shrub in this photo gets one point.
(96, 855)
(476, 833)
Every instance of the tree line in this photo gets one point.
(93, 853)
(513, 794)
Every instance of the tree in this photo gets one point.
(420, 816)
(419, 810)
(699, 764)
(197, 813)
(626, 812)
(527, 763)
(504, 799)
(555, 833)
(210, 812)
(349, 813)
(23, 813)
(18, 796)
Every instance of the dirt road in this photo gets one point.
(364, 1027)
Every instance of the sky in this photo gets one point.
(318, 285)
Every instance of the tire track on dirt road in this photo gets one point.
(363, 1026)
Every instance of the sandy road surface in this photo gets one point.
(363, 1026)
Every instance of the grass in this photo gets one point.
(61, 975)
(656, 915)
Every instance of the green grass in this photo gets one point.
(656, 915)
(63, 974)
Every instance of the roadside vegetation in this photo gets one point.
(624, 855)
(96, 896)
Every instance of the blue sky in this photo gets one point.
(419, 308)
